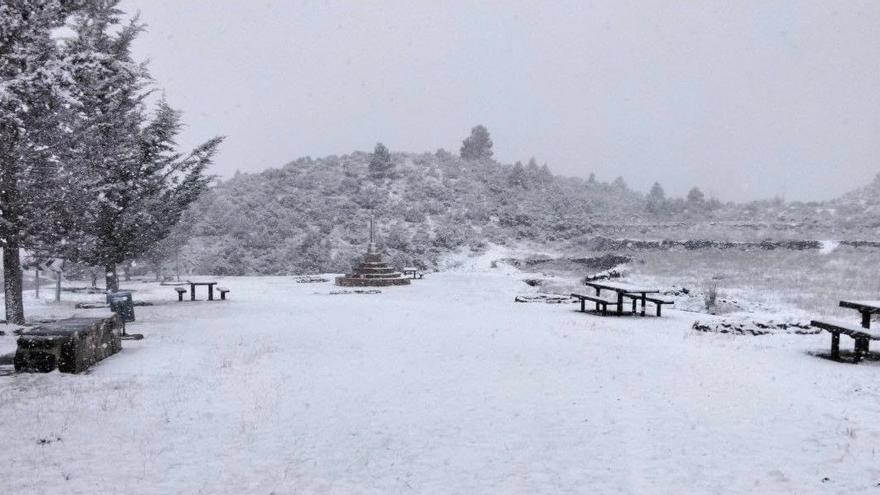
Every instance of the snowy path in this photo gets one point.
(443, 387)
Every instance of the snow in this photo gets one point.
(828, 247)
(445, 386)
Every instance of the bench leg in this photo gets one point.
(583, 307)
(222, 296)
(643, 304)
(192, 292)
(180, 297)
(860, 344)
(210, 292)
(659, 310)
(634, 307)
(619, 303)
(835, 345)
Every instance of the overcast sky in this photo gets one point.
(744, 99)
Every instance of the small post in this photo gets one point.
(866, 319)
(58, 286)
(37, 281)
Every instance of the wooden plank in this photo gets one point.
(872, 306)
(601, 299)
(852, 330)
(623, 287)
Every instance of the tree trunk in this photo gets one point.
(12, 277)
(126, 271)
(94, 274)
(112, 281)
(58, 287)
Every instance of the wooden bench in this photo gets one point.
(180, 292)
(223, 291)
(412, 272)
(657, 301)
(861, 335)
(602, 303)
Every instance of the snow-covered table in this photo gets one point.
(866, 308)
(192, 289)
(623, 289)
(862, 335)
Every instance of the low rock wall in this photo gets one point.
(71, 345)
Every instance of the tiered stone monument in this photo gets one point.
(372, 271)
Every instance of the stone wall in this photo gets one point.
(71, 345)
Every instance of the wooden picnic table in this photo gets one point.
(623, 289)
(866, 308)
(192, 289)
(861, 335)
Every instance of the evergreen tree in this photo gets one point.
(545, 176)
(381, 165)
(620, 184)
(696, 196)
(517, 177)
(134, 183)
(656, 198)
(477, 146)
(33, 112)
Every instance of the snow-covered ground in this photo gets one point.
(446, 386)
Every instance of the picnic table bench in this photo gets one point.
(861, 334)
(621, 291)
(601, 302)
(412, 272)
(192, 290)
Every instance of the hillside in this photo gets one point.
(311, 215)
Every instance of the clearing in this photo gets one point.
(446, 386)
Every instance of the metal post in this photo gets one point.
(37, 279)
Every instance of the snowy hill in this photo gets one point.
(311, 214)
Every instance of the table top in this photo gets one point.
(861, 305)
(623, 287)
(202, 283)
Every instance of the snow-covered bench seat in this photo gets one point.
(861, 335)
(602, 303)
(71, 345)
(223, 291)
(655, 300)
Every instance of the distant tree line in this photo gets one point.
(87, 172)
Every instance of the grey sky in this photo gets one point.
(745, 99)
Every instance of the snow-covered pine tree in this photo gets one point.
(656, 199)
(381, 165)
(111, 89)
(517, 177)
(134, 184)
(477, 146)
(34, 105)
